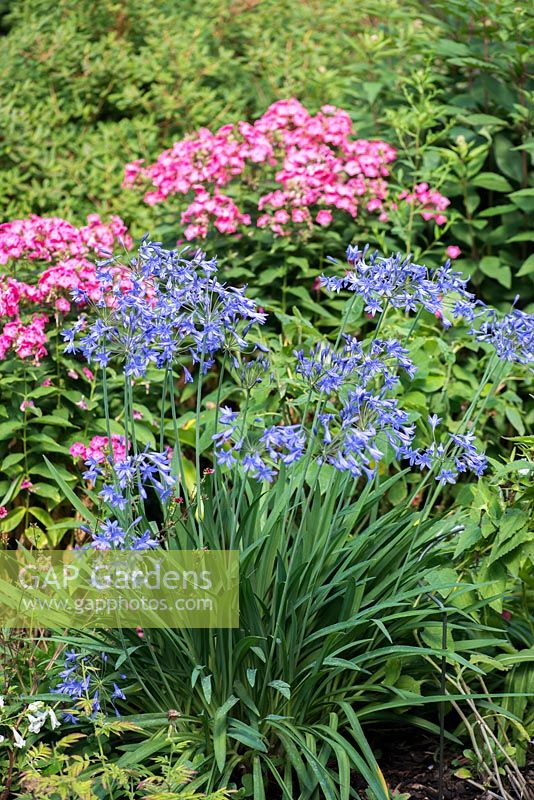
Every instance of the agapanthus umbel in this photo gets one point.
(512, 335)
(315, 163)
(26, 306)
(123, 488)
(131, 474)
(456, 454)
(358, 421)
(110, 535)
(398, 282)
(327, 368)
(88, 680)
(173, 307)
(262, 453)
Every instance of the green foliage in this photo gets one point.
(332, 601)
(448, 84)
(39, 420)
(496, 552)
(104, 85)
(497, 549)
(339, 615)
(70, 770)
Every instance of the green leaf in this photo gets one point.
(71, 496)
(448, 47)
(258, 782)
(282, 687)
(46, 490)
(467, 539)
(527, 267)
(13, 519)
(492, 181)
(52, 419)
(251, 677)
(484, 120)
(524, 199)
(206, 687)
(514, 418)
(524, 236)
(433, 382)
(371, 90)
(12, 459)
(246, 735)
(42, 516)
(508, 161)
(463, 773)
(8, 429)
(493, 268)
(495, 211)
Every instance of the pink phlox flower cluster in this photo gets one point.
(98, 448)
(48, 238)
(314, 161)
(428, 202)
(222, 209)
(26, 340)
(65, 250)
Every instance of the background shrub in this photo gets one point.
(85, 90)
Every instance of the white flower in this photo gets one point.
(2, 739)
(35, 706)
(53, 719)
(37, 721)
(2, 704)
(17, 738)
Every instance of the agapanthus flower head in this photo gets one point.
(398, 282)
(355, 435)
(457, 454)
(131, 476)
(87, 679)
(327, 368)
(112, 536)
(512, 334)
(264, 448)
(164, 307)
(251, 371)
(362, 418)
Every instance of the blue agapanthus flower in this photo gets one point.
(85, 678)
(457, 454)
(512, 335)
(163, 307)
(350, 434)
(398, 282)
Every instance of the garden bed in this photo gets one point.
(409, 761)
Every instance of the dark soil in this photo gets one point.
(409, 762)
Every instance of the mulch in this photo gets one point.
(409, 762)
